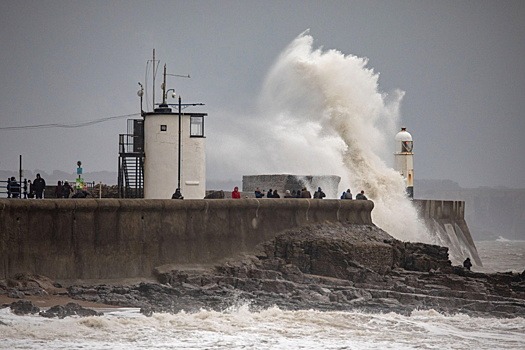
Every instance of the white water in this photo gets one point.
(266, 329)
(325, 115)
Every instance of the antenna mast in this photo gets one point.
(153, 78)
(164, 87)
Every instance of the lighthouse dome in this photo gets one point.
(403, 135)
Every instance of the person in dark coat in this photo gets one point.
(319, 194)
(39, 185)
(275, 194)
(258, 193)
(467, 264)
(58, 190)
(269, 194)
(177, 194)
(361, 195)
(305, 193)
(66, 190)
(14, 187)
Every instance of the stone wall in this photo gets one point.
(120, 238)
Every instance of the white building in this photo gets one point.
(404, 159)
(174, 157)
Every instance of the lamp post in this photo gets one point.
(179, 157)
(180, 138)
(164, 97)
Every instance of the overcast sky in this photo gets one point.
(460, 63)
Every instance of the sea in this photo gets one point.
(242, 327)
(321, 109)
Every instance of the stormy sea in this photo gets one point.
(241, 327)
(344, 121)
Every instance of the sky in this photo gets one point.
(458, 64)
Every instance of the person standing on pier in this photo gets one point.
(39, 185)
(361, 195)
(236, 194)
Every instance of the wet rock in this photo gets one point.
(24, 307)
(146, 311)
(70, 309)
(15, 294)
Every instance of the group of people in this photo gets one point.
(302, 193)
(65, 190)
(33, 189)
(37, 187)
(348, 195)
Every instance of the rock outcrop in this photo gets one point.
(327, 266)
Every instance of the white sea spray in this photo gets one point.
(322, 113)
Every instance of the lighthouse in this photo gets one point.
(404, 159)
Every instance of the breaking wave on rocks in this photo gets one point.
(272, 328)
(325, 115)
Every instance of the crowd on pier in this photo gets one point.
(36, 189)
(300, 193)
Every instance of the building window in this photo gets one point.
(163, 128)
(197, 126)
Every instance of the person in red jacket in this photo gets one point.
(236, 194)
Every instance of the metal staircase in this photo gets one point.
(131, 161)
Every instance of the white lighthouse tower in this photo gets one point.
(174, 148)
(404, 159)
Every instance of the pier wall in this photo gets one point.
(67, 239)
(125, 238)
(445, 221)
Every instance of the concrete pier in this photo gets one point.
(68, 239)
(124, 238)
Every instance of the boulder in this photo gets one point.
(24, 307)
(70, 309)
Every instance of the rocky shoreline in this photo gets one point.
(328, 267)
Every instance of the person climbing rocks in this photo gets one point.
(467, 264)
